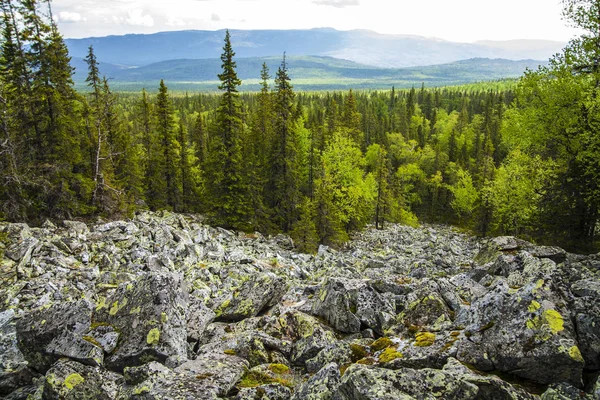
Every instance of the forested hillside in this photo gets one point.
(316, 165)
(309, 73)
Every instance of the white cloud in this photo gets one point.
(337, 3)
(215, 17)
(137, 17)
(174, 21)
(69, 17)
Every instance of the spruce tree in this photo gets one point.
(227, 191)
(284, 191)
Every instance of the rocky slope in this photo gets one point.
(164, 307)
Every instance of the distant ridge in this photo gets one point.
(307, 72)
(364, 47)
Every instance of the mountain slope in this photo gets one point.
(366, 47)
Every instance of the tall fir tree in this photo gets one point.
(227, 193)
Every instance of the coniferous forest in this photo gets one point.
(523, 161)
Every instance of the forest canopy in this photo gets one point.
(521, 161)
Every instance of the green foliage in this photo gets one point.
(316, 165)
(465, 194)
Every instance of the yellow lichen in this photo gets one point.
(163, 317)
(153, 336)
(115, 308)
(424, 339)
(101, 303)
(73, 380)
(575, 354)
(230, 352)
(534, 306)
(555, 320)
(539, 284)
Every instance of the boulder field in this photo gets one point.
(163, 306)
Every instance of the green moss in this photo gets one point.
(381, 344)
(389, 354)
(366, 361)
(153, 337)
(98, 324)
(73, 380)
(487, 326)
(279, 368)
(424, 339)
(358, 352)
(91, 340)
(257, 378)
(344, 367)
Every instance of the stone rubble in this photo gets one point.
(163, 306)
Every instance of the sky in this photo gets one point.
(454, 20)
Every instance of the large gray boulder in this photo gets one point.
(526, 332)
(209, 377)
(254, 295)
(372, 383)
(349, 304)
(149, 315)
(308, 335)
(58, 330)
(321, 386)
(68, 380)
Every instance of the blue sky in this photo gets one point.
(456, 20)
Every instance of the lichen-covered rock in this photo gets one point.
(390, 311)
(272, 391)
(564, 391)
(308, 335)
(349, 304)
(220, 371)
(490, 386)
(252, 297)
(209, 377)
(587, 288)
(425, 309)
(14, 372)
(321, 386)
(526, 332)
(71, 380)
(254, 346)
(372, 383)
(149, 315)
(586, 313)
(199, 316)
(339, 353)
(49, 333)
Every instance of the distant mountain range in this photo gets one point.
(360, 46)
(307, 73)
